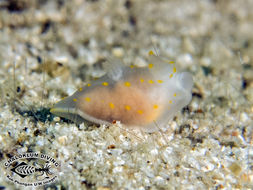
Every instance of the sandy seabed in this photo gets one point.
(48, 49)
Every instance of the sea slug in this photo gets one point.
(137, 97)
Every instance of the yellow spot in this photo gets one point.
(127, 84)
(159, 81)
(155, 106)
(170, 102)
(87, 99)
(150, 65)
(175, 94)
(171, 75)
(174, 69)
(140, 112)
(80, 89)
(151, 82)
(142, 80)
(88, 84)
(105, 83)
(131, 66)
(171, 62)
(74, 99)
(127, 107)
(111, 105)
(150, 52)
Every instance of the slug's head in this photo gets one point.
(185, 84)
(185, 80)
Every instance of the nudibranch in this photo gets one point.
(146, 97)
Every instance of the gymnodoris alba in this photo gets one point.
(146, 97)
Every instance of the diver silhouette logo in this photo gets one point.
(32, 169)
(23, 170)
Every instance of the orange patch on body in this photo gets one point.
(127, 103)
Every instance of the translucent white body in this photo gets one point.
(137, 97)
